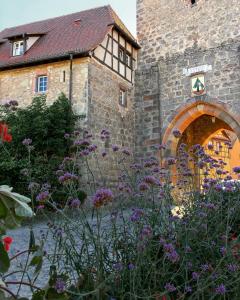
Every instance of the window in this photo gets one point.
(128, 60)
(121, 55)
(41, 84)
(125, 57)
(193, 2)
(123, 97)
(18, 48)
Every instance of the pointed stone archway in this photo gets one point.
(190, 113)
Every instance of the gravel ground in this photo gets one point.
(20, 243)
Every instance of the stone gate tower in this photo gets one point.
(189, 75)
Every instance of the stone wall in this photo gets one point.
(165, 27)
(162, 90)
(104, 112)
(174, 35)
(95, 95)
(19, 84)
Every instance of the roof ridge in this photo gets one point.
(117, 20)
(54, 18)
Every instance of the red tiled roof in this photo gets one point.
(77, 33)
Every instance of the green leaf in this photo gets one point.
(37, 261)
(2, 229)
(39, 295)
(17, 201)
(82, 196)
(32, 243)
(4, 259)
(4, 297)
(3, 210)
(53, 295)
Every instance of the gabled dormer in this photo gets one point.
(21, 43)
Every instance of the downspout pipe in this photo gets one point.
(70, 77)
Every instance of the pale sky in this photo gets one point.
(18, 12)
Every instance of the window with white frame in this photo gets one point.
(123, 97)
(18, 48)
(41, 84)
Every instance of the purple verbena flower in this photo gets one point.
(151, 180)
(74, 203)
(131, 266)
(60, 285)
(236, 169)
(85, 152)
(171, 253)
(168, 247)
(105, 134)
(92, 148)
(188, 249)
(136, 214)
(115, 148)
(195, 276)
(150, 163)
(118, 267)
(221, 289)
(188, 289)
(104, 153)
(170, 287)
(66, 136)
(205, 267)
(33, 186)
(45, 187)
(81, 142)
(13, 103)
(223, 251)
(126, 152)
(146, 232)
(67, 177)
(173, 256)
(59, 232)
(177, 133)
(27, 142)
(143, 187)
(40, 207)
(161, 147)
(102, 197)
(232, 268)
(171, 161)
(43, 196)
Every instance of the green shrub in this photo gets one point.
(45, 126)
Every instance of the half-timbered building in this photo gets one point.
(90, 56)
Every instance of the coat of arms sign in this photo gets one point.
(198, 85)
